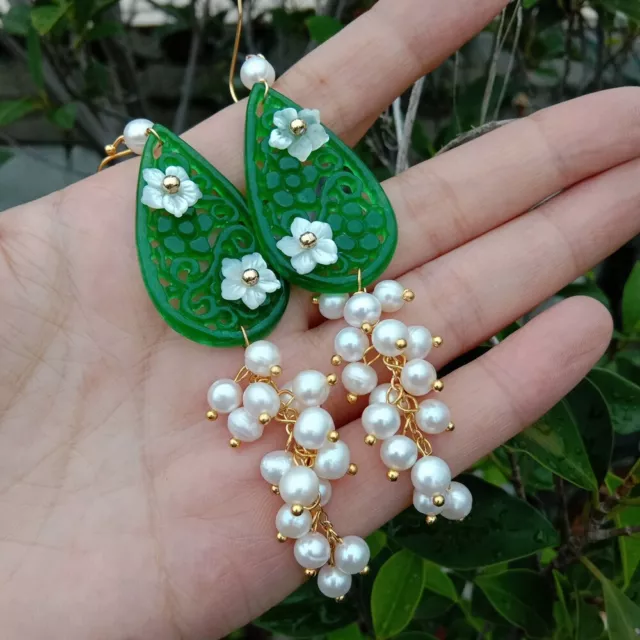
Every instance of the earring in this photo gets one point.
(300, 473)
(395, 415)
(198, 254)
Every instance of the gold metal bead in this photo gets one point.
(353, 469)
(352, 398)
(275, 489)
(436, 341)
(430, 519)
(281, 538)
(250, 277)
(234, 443)
(308, 240)
(366, 327)
(333, 436)
(310, 573)
(401, 343)
(408, 295)
(276, 370)
(315, 299)
(171, 184)
(340, 599)
(332, 379)
(264, 418)
(297, 509)
(110, 150)
(438, 385)
(370, 440)
(393, 475)
(336, 360)
(365, 571)
(450, 427)
(298, 127)
(438, 500)
(212, 415)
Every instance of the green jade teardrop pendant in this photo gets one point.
(332, 185)
(181, 253)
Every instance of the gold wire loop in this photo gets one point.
(245, 336)
(236, 48)
(112, 149)
(151, 131)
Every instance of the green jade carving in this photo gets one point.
(332, 186)
(181, 258)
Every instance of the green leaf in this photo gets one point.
(5, 155)
(586, 288)
(105, 30)
(352, 632)
(593, 418)
(321, 28)
(529, 4)
(377, 541)
(631, 302)
(17, 20)
(65, 116)
(623, 615)
(501, 527)
(432, 606)
(623, 398)
(561, 608)
(12, 110)
(436, 580)
(46, 17)
(306, 613)
(555, 442)
(396, 593)
(629, 7)
(588, 622)
(522, 597)
(34, 58)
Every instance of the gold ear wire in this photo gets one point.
(112, 152)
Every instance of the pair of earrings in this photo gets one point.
(217, 268)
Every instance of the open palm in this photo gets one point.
(123, 514)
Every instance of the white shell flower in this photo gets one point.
(171, 190)
(309, 244)
(248, 279)
(300, 132)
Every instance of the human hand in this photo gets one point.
(123, 513)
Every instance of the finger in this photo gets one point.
(469, 190)
(470, 293)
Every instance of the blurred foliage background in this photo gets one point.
(552, 547)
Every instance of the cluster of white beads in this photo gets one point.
(394, 415)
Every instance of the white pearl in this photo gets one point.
(359, 378)
(311, 388)
(312, 550)
(224, 395)
(389, 292)
(260, 397)
(243, 426)
(293, 526)
(332, 305)
(417, 377)
(285, 397)
(399, 453)
(424, 504)
(325, 491)
(274, 465)
(312, 426)
(260, 356)
(332, 461)
(457, 502)
(431, 475)
(420, 343)
(362, 307)
(386, 334)
(135, 134)
(352, 555)
(256, 69)
(380, 394)
(433, 416)
(332, 582)
(350, 344)
(381, 420)
(299, 485)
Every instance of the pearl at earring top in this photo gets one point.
(257, 69)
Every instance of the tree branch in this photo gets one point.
(404, 144)
(607, 534)
(516, 475)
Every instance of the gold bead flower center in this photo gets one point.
(171, 184)
(308, 240)
(298, 127)
(250, 277)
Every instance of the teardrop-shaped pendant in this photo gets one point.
(197, 251)
(299, 172)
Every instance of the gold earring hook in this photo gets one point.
(236, 48)
(112, 149)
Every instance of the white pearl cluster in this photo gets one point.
(395, 415)
(302, 473)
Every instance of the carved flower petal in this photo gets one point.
(282, 119)
(153, 177)
(190, 191)
(178, 172)
(303, 263)
(301, 149)
(232, 290)
(268, 281)
(253, 297)
(325, 252)
(317, 136)
(289, 246)
(281, 139)
(299, 226)
(321, 230)
(253, 261)
(152, 197)
(310, 116)
(232, 268)
(175, 204)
